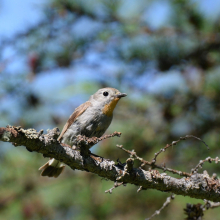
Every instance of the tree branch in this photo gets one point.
(200, 186)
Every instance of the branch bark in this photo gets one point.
(200, 186)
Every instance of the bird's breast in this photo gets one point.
(109, 108)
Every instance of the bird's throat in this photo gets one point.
(109, 108)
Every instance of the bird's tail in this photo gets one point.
(53, 168)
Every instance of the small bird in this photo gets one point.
(91, 119)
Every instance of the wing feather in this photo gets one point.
(78, 111)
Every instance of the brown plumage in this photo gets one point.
(78, 111)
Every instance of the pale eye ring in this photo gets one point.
(105, 93)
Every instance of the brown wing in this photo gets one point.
(78, 111)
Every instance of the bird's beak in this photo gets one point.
(120, 95)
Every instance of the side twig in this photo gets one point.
(152, 164)
(116, 184)
(174, 143)
(210, 205)
(201, 162)
(166, 203)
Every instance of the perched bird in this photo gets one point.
(91, 119)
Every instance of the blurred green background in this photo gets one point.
(54, 54)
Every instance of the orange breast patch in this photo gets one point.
(109, 108)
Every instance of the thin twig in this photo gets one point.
(210, 205)
(166, 203)
(174, 143)
(139, 189)
(189, 136)
(153, 165)
(116, 184)
(81, 139)
(201, 162)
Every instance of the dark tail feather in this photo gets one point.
(51, 171)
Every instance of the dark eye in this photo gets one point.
(105, 93)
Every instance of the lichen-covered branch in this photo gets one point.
(200, 186)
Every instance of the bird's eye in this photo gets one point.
(105, 93)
